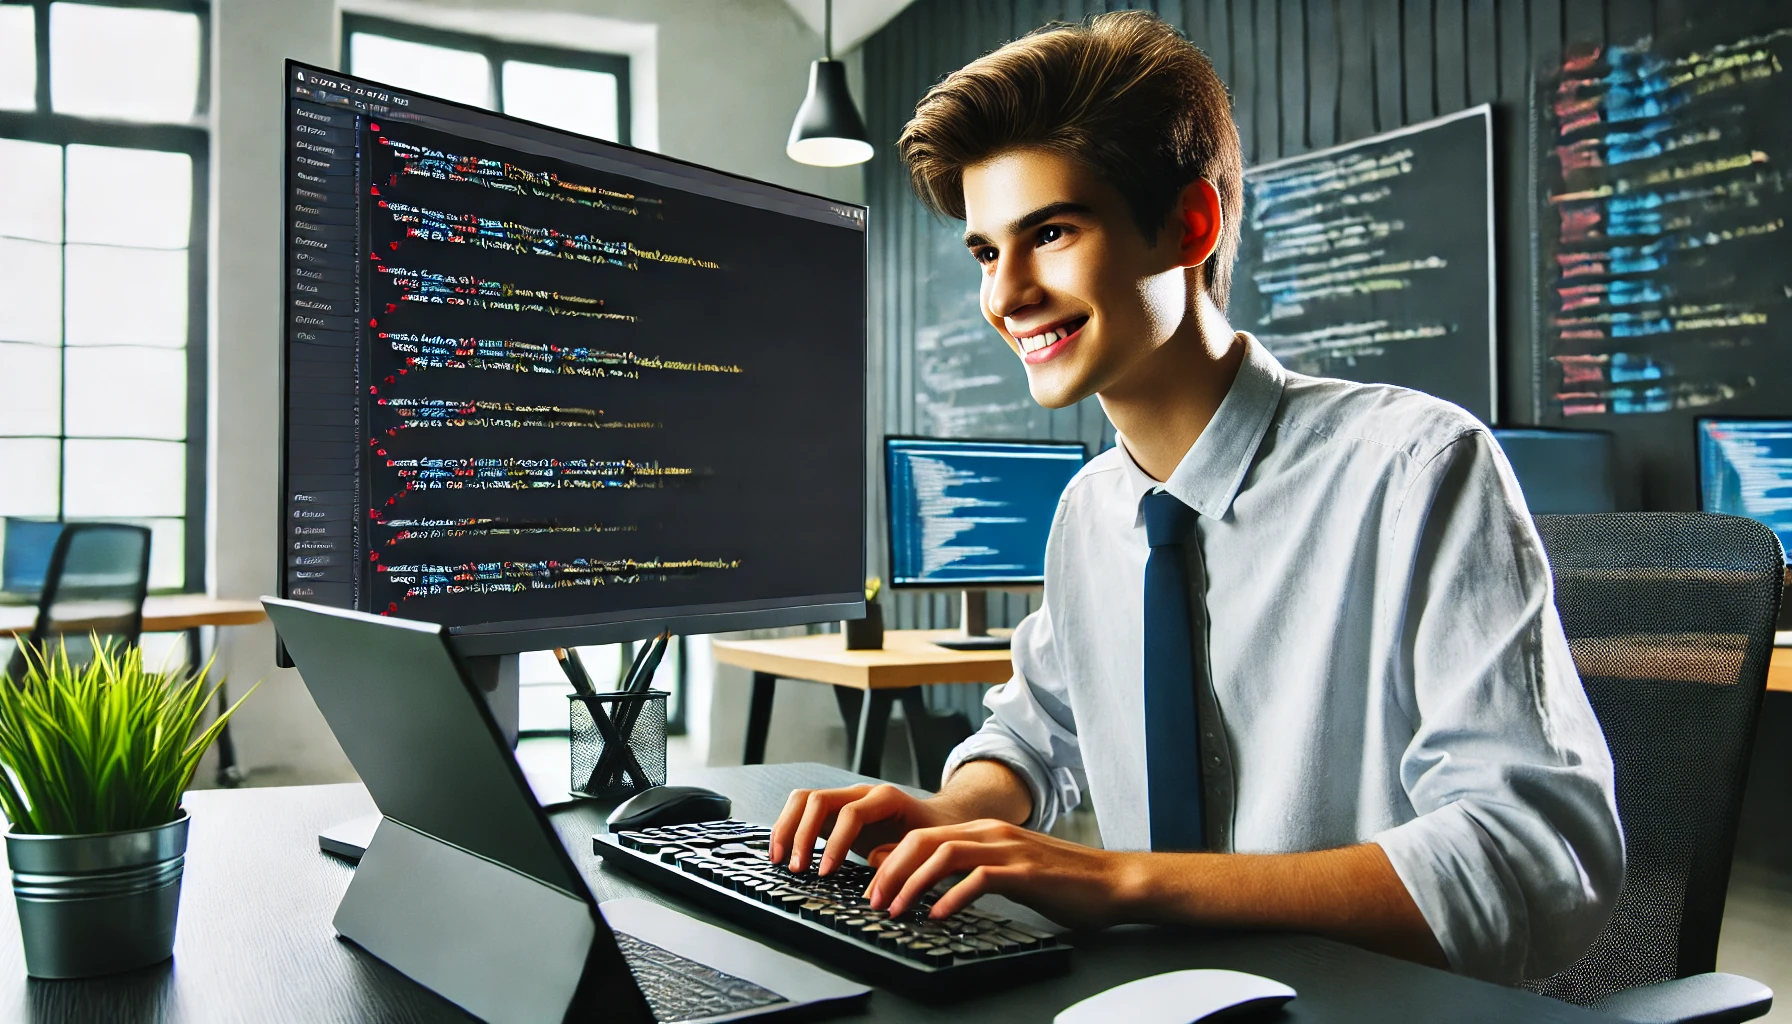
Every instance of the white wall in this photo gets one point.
(730, 75)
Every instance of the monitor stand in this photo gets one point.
(497, 676)
(973, 626)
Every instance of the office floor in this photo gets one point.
(1757, 937)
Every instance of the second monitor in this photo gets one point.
(973, 516)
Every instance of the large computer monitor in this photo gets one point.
(973, 515)
(547, 390)
(1745, 469)
(1562, 472)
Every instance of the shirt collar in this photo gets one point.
(1210, 474)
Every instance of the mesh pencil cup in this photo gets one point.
(642, 717)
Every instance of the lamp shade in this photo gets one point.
(828, 131)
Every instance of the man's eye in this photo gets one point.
(987, 254)
(1049, 234)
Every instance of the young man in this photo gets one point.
(1300, 631)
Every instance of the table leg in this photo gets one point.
(931, 737)
(874, 718)
(850, 698)
(229, 776)
(759, 716)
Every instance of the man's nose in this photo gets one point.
(1013, 288)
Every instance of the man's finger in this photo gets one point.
(785, 826)
(820, 806)
(875, 804)
(952, 857)
(989, 878)
(910, 854)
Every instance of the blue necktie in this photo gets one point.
(1173, 656)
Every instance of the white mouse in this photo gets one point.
(1180, 997)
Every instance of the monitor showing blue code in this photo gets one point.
(1745, 469)
(973, 513)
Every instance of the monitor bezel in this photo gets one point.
(1698, 470)
(513, 636)
(1011, 584)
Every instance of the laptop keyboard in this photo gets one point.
(681, 989)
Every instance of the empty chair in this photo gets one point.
(97, 578)
(1670, 620)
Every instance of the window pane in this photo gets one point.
(30, 291)
(124, 478)
(127, 392)
(459, 75)
(30, 392)
(29, 465)
(578, 101)
(18, 58)
(126, 296)
(129, 196)
(124, 63)
(30, 188)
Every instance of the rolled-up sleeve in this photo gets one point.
(1515, 857)
(1030, 728)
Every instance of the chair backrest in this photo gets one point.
(1670, 619)
(98, 577)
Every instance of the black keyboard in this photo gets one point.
(722, 865)
(680, 989)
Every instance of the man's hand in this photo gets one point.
(1074, 885)
(870, 818)
(861, 818)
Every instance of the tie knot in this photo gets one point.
(1167, 519)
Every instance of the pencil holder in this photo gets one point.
(638, 718)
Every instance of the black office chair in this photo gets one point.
(98, 577)
(1670, 619)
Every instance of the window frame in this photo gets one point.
(194, 139)
(496, 52)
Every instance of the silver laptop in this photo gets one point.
(455, 801)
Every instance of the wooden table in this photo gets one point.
(174, 613)
(254, 941)
(1779, 670)
(865, 684)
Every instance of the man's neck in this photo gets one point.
(1167, 400)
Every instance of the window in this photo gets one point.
(103, 150)
(576, 90)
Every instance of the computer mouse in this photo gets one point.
(1181, 997)
(669, 805)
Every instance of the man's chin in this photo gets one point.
(1057, 390)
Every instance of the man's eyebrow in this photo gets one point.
(1031, 220)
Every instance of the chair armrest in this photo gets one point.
(1700, 999)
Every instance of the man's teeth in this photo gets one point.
(1039, 341)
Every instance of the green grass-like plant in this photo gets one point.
(104, 747)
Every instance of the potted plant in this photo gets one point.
(93, 761)
(867, 634)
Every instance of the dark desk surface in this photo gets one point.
(255, 942)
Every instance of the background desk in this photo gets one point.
(175, 613)
(865, 684)
(1779, 670)
(255, 942)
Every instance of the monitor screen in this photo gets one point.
(1561, 472)
(973, 513)
(25, 549)
(545, 389)
(1745, 469)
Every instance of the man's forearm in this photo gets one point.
(985, 789)
(1351, 894)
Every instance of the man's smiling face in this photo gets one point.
(1069, 280)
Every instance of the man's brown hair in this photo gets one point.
(1122, 93)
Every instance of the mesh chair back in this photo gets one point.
(1670, 619)
(99, 574)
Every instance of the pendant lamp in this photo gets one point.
(828, 131)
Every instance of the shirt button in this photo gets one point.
(1214, 760)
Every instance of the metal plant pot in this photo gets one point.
(97, 904)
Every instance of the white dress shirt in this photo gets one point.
(1385, 653)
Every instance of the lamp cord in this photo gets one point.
(827, 32)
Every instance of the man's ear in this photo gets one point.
(1199, 219)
